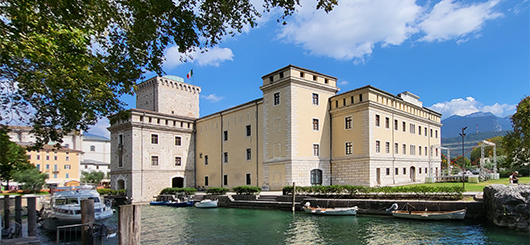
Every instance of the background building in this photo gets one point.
(96, 155)
(300, 131)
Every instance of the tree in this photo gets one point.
(12, 157)
(67, 62)
(31, 179)
(93, 177)
(517, 142)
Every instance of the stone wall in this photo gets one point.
(508, 206)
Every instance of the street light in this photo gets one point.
(463, 159)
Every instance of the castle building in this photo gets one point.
(300, 131)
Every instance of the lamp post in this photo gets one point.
(463, 159)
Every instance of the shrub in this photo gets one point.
(177, 190)
(217, 190)
(121, 192)
(246, 190)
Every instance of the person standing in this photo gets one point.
(513, 178)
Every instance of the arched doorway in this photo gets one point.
(121, 184)
(413, 174)
(177, 182)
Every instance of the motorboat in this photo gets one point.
(330, 211)
(206, 203)
(426, 214)
(63, 207)
(172, 203)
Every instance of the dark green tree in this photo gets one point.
(517, 142)
(66, 62)
(31, 179)
(488, 150)
(93, 177)
(13, 157)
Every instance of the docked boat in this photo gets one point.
(430, 215)
(330, 211)
(206, 203)
(63, 207)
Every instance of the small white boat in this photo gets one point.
(431, 215)
(63, 207)
(206, 203)
(330, 211)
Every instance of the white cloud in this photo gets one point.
(354, 28)
(212, 57)
(452, 20)
(101, 128)
(212, 98)
(462, 107)
(343, 83)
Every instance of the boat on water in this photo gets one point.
(172, 203)
(330, 211)
(206, 203)
(426, 214)
(63, 207)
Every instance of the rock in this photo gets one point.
(508, 206)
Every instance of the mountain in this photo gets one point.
(478, 122)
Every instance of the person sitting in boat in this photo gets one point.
(513, 178)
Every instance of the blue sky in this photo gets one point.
(459, 56)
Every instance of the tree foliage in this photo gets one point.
(31, 179)
(67, 62)
(93, 177)
(13, 157)
(517, 142)
(488, 150)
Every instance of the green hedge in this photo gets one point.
(121, 192)
(451, 192)
(176, 190)
(217, 190)
(246, 190)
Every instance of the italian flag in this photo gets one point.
(190, 74)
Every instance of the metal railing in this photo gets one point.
(72, 234)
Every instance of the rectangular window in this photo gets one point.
(55, 158)
(178, 161)
(205, 159)
(348, 122)
(225, 135)
(412, 150)
(225, 157)
(419, 170)
(412, 128)
(425, 150)
(349, 148)
(154, 139)
(47, 166)
(249, 154)
(425, 170)
(225, 179)
(277, 98)
(396, 148)
(178, 141)
(404, 149)
(67, 166)
(396, 171)
(387, 147)
(38, 157)
(154, 160)
(404, 170)
(249, 179)
(315, 124)
(67, 175)
(377, 146)
(404, 127)
(419, 150)
(387, 122)
(387, 171)
(248, 130)
(205, 180)
(55, 167)
(67, 158)
(425, 131)
(419, 130)
(55, 176)
(360, 98)
(431, 133)
(436, 134)
(316, 150)
(377, 120)
(38, 167)
(315, 99)
(47, 158)
(396, 124)
(92, 148)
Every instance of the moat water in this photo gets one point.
(168, 225)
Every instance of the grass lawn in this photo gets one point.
(477, 186)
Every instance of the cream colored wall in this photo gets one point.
(278, 125)
(209, 144)
(73, 161)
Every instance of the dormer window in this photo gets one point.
(302, 74)
(314, 78)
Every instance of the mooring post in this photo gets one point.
(6, 211)
(129, 224)
(32, 216)
(294, 194)
(18, 216)
(87, 217)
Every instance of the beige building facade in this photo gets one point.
(300, 131)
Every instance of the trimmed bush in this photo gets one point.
(121, 192)
(217, 190)
(246, 190)
(176, 190)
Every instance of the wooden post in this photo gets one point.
(6, 211)
(129, 224)
(32, 216)
(87, 217)
(294, 194)
(18, 216)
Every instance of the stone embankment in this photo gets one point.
(508, 206)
